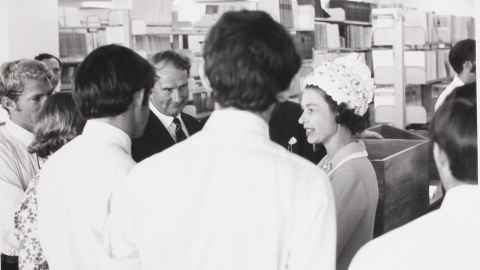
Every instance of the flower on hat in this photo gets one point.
(346, 80)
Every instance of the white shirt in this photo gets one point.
(73, 195)
(447, 91)
(17, 168)
(226, 198)
(447, 238)
(167, 122)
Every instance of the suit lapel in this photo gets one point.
(157, 132)
(192, 126)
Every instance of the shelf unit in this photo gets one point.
(347, 22)
(406, 69)
(342, 35)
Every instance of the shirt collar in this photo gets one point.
(25, 136)
(346, 150)
(461, 197)
(457, 81)
(165, 119)
(101, 130)
(237, 123)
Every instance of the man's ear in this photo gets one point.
(468, 66)
(440, 157)
(8, 103)
(204, 78)
(140, 98)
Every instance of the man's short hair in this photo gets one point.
(454, 129)
(249, 59)
(14, 74)
(461, 52)
(108, 78)
(179, 61)
(43, 56)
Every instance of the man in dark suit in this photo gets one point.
(286, 131)
(167, 124)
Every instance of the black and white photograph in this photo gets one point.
(239, 135)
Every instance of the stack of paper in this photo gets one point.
(383, 66)
(327, 36)
(443, 69)
(443, 27)
(420, 66)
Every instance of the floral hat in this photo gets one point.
(346, 79)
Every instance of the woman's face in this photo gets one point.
(317, 118)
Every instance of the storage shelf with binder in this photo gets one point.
(342, 35)
(70, 64)
(333, 50)
(410, 47)
(359, 23)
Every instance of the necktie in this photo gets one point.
(179, 134)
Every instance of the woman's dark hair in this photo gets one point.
(344, 116)
(58, 122)
(454, 130)
(107, 80)
(249, 59)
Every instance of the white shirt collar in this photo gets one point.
(101, 130)
(456, 197)
(237, 122)
(23, 135)
(457, 81)
(165, 119)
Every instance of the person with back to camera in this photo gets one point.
(417, 245)
(112, 89)
(335, 102)
(229, 197)
(58, 123)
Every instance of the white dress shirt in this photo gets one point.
(73, 195)
(227, 198)
(447, 238)
(17, 168)
(167, 122)
(456, 82)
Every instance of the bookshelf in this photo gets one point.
(347, 22)
(410, 59)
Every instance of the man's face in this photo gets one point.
(54, 67)
(25, 111)
(170, 93)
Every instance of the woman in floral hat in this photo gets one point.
(335, 101)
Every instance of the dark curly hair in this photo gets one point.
(249, 59)
(58, 122)
(107, 80)
(344, 116)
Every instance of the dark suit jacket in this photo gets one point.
(284, 125)
(156, 137)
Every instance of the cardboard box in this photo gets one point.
(401, 162)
